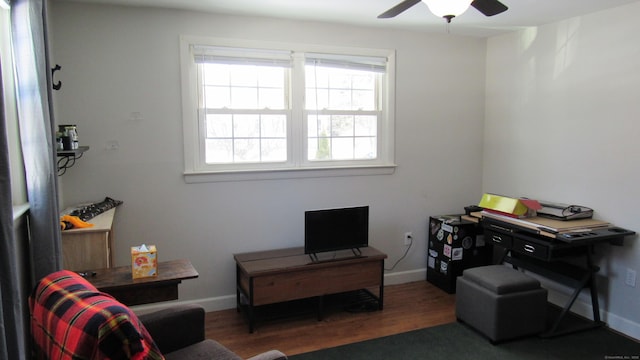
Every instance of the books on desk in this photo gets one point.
(550, 227)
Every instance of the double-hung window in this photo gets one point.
(342, 107)
(256, 110)
(243, 105)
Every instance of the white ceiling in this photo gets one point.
(521, 13)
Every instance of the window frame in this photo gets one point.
(238, 166)
(297, 165)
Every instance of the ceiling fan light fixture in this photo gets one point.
(448, 9)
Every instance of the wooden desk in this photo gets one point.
(268, 277)
(543, 252)
(89, 248)
(117, 282)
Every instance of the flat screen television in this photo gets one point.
(336, 229)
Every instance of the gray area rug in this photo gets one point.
(457, 341)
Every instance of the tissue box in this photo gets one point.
(144, 261)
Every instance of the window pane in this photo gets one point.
(246, 138)
(244, 98)
(217, 97)
(317, 99)
(319, 125)
(219, 126)
(271, 98)
(340, 89)
(365, 148)
(342, 148)
(219, 151)
(340, 79)
(312, 149)
(243, 75)
(274, 150)
(340, 99)
(363, 80)
(366, 126)
(244, 86)
(341, 125)
(316, 76)
(312, 126)
(363, 100)
(271, 77)
(324, 125)
(246, 150)
(342, 137)
(274, 126)
(319, 149)
(216, 74)
(246, 126)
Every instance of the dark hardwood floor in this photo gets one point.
(407, 307)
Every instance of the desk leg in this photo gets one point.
(595, 304)
(250, 307)
(594, 301)
(238, 302)
(381, 291)
(587, 280)
(245, 299)
(320, 309)
(567, 307)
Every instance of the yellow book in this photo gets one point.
(505, 204)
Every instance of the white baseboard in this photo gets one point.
(229, 301)
(209, 304)
(403, 277)
(558, 295)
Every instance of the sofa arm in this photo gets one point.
(270, 355)
(175, 327)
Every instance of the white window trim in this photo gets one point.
(383, 166)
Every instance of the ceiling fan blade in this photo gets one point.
(489, 7)
(406, 4)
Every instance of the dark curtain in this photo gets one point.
(12, 324)
(33, 84)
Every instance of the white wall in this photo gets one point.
(118, 60)
(562, 124)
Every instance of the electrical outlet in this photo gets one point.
(631, 278)
(408, 236)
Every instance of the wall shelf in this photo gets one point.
(67, 158)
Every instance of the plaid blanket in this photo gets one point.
(71, 319)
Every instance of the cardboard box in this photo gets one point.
(144, 261)
(507, 205)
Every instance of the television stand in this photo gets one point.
(356, 253)
(268, 277)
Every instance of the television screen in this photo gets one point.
(336, 229)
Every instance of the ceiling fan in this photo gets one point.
(448, 9)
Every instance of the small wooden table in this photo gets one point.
(268, 277)
(118, 283)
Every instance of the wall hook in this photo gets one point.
(57, 85)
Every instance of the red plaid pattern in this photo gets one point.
(71, 319)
